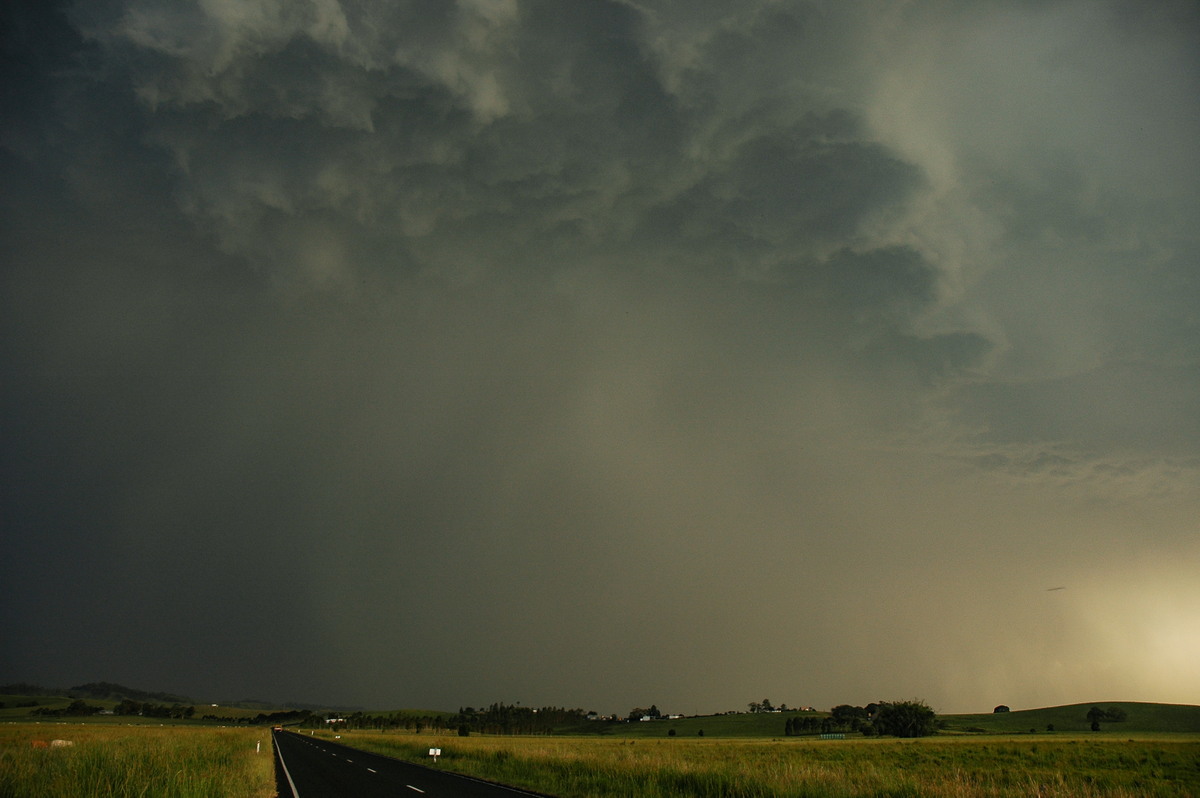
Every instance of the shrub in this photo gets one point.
(912, 718)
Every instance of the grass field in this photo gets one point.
(111, 761)
(946, 767)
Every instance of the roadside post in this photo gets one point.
(435, 753)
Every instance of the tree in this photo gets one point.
(127, 707)
(847, 716)
(1095, 715)
(912, 718)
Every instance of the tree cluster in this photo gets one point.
(1096, 716)
(905, 719)
(511, 719)
(77, 708)
(495, 719)
(128, 706)
(842, 718)
(809, 724)
(637, 713)
(388, 722)
(896, 718)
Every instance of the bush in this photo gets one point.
(905, 719)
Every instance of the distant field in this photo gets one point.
(1141, 717)
(1092, 766)
(109, 761)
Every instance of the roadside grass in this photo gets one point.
(995, 767)
(125, 761)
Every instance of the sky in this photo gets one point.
(601, 353)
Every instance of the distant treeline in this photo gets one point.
(77, 708)
(495, 719)
(289, 716)
(507, 719)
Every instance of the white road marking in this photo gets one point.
(292, 784)
(373, 770)
(409, 786)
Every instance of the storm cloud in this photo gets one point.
(601, 353)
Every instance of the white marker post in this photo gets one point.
(258, 747)
(435, 753)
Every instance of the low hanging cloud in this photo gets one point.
(421, 350)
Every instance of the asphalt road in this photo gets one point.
(310, 768)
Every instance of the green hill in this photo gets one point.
(1139, 717)
(115, 692)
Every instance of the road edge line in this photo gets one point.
(279, 753)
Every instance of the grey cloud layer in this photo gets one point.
(548, 317)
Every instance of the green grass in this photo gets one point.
(128, 761)
(948, 767)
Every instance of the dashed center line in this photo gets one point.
(416, 789)
(373, 770)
